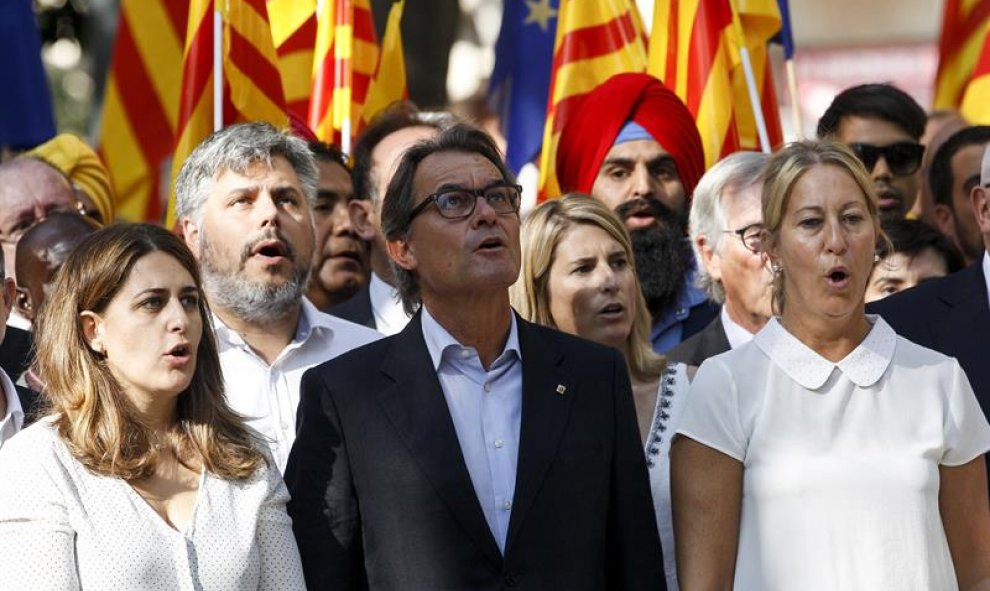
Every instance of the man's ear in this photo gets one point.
(23, 303)
(709, 258)
(190, 233)
(401, 253)
(980, 201)
(945, 222)
(360, 212)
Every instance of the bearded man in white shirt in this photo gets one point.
(243, 200)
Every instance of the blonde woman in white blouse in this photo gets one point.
(142, 477)
(829, 453)
(578, 275)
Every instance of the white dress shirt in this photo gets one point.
(386, 306)
(486, 408)
(267, 395)
(840, 460)
(13, 420)
(735, 334)
(986, 272)
(64, 527)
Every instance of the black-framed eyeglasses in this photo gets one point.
(903, 158)
(751, 236)
(459, 203)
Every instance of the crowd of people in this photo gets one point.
(375, 371)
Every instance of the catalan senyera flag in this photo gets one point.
(141, 105)
(252, 82)
(344, 62)
(294, 35)
(595, 41)
(761, 21)
(964, 26)
(389, 82)
(975, 105)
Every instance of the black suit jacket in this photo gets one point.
(950, 315)
(30, 404)
(15, 352)
(382, 499)
(357, 309)
(709, 342)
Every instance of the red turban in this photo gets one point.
(593, 125)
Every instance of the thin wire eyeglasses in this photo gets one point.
(751, 236)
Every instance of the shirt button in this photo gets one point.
(507, 505)
(488, 386)
(465, 353)
(499, 443)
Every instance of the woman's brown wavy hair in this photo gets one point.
(91, 412)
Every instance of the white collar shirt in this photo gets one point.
(386, 307)
(486, 409)
(735, 334)
(840, 459)
(267, 395)
(13, 420)
(986, 271)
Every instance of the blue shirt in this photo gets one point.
(668, 330)
(486, 408)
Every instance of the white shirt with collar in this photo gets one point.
(486, 408)
(267, 395)
(840, 460)
(735, 334)
(13, 420)
(386, 307)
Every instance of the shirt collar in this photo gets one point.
(689, 297)
(438, 340)
(14, 408)
(864, 366)
(735, 334)
(310, 319)
(986, 270)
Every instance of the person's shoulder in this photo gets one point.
(33, 449)
(353, 334)
(551, 339)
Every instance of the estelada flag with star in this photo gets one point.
(521, 78)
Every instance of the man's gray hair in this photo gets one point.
(237, 148)
(736, 172)
(985, 168)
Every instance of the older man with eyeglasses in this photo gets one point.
(882, 124)
(726, 228)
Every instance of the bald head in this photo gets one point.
(40, 253)
(30, 190)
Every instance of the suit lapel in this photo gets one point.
(546, 404)
(416, 407)
(962, 333)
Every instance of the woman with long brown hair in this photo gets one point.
(141, 477)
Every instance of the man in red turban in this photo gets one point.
(632, 144)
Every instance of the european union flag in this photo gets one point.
(26, 117)
(785, 37)
(521, 79)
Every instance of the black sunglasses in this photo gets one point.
(903, 158)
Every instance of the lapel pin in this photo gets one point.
(561, 389)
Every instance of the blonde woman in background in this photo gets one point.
(142, 477)
(829, 453)
(578, 276)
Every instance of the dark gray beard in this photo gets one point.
(249, 301)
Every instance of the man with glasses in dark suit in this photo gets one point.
(883, 125)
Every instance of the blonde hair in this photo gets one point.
(542, 230)
(92, 414)
(784, 170)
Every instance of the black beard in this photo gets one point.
(663, 255)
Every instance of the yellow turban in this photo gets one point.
(84, 168)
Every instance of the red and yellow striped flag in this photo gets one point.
(964, 26)
(389, 83)
(975, 106)
(689, 52)
(760, 20)
(294, 35)
(344, 61)
(252, 82)
(141, 105)
(595, 41)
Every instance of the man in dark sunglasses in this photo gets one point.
(882, 125)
